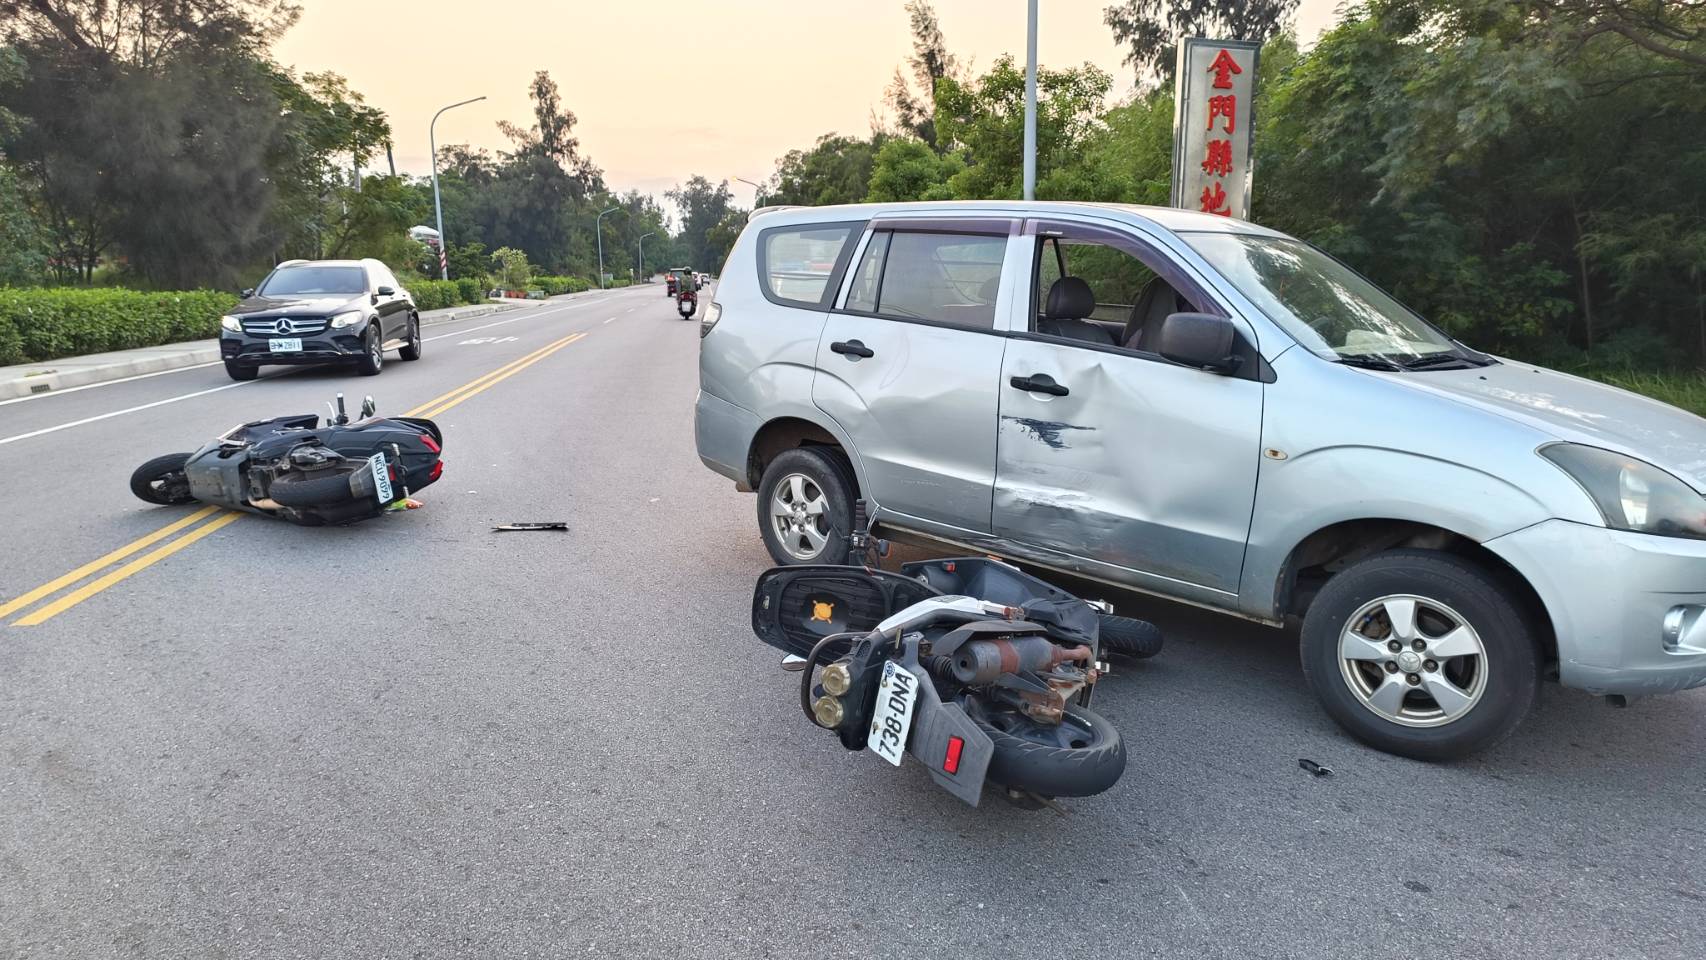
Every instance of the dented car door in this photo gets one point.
(1114, 455)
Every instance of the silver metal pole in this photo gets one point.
(757, 191)
(437, 206)
(642, 274)
(598, 229)
(1031, 104)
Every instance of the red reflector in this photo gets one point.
(431, 444)
(437, 468)
(951, 763)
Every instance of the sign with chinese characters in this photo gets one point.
(1212, 122)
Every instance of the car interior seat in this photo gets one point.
(1157, 301)
(1066, 313)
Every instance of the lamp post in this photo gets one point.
(597, 227)
(437, 207)
(1031, 104)
(643, 236)
(757, 191)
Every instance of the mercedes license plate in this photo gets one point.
(285, 345)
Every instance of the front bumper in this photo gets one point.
(328, 347)
(1611, 596)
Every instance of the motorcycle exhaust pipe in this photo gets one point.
(981, 661)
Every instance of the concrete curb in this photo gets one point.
(35, 379)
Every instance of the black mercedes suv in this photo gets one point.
(321, 311)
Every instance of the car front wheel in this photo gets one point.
(1422, 654)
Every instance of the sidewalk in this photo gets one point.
(36, 378)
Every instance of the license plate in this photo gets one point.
(896, 695)
(381, 477)
(291, 345)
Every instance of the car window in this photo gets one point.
(942, 277)
(1128, 299)
(863, 296)
(795, 263)
(314, 280)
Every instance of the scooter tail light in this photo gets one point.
(431, 444)
(951, 762)
(437, 469)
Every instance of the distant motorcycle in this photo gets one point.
(978, 670)
(296, 470)
(686, 300)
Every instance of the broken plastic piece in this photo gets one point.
(407, 503)
(1315, 768)
(549, 525)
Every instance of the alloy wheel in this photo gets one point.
(799, 516)
(1413, 661)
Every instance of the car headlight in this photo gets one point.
(231, 324)
(348, 319)
(1632, 494)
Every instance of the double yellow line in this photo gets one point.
(431, 408)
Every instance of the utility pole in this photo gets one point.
(1031, 104)
(649, 233)
(438, 208)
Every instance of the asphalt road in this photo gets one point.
(417, 738)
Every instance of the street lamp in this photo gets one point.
(598, 229)
(643, 236)
(757, 191)
(438, 208)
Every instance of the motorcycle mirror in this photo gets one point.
(368, 407)
(793, 664)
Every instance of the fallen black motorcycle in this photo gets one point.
(294, 469)
(975, 668)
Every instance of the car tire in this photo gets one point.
(821, 482)
(372, 354)
(1467, 667)
(1089, 762)
(411, 349)
(161, 480)
(240, 372)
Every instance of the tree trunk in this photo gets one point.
(1586, 294)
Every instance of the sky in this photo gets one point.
(665, 89)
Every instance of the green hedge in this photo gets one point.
(42, 323)
(557, 286)
(470, 290)
(438, 294)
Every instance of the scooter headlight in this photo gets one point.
(231, 324)
(1632, 494)
(347, 319)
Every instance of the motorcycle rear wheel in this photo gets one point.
(1080, 757)
(318, 489)
(162, 481)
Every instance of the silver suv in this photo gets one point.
(1218, 413)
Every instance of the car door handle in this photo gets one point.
(1040, 383)
(852, 348)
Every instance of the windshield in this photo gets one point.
(1327, 306)
(318, 281)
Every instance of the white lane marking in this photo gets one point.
(607, 321)
(229, 386)
(524, 314)
(108, 383)
(483, 340)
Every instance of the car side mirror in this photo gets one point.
(386, 291)
(1200, 340)
(246, 292)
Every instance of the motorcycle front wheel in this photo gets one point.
(162, 480)
(1081, 756)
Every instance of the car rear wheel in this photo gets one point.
(373, 354)
(1422, 654)
(411, 350)
(805, 507)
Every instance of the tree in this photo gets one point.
(1150, 29)
(835, 170)
(908, 169)
(702, 207)
(984, 120)
(930, 63)
(512, 269)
